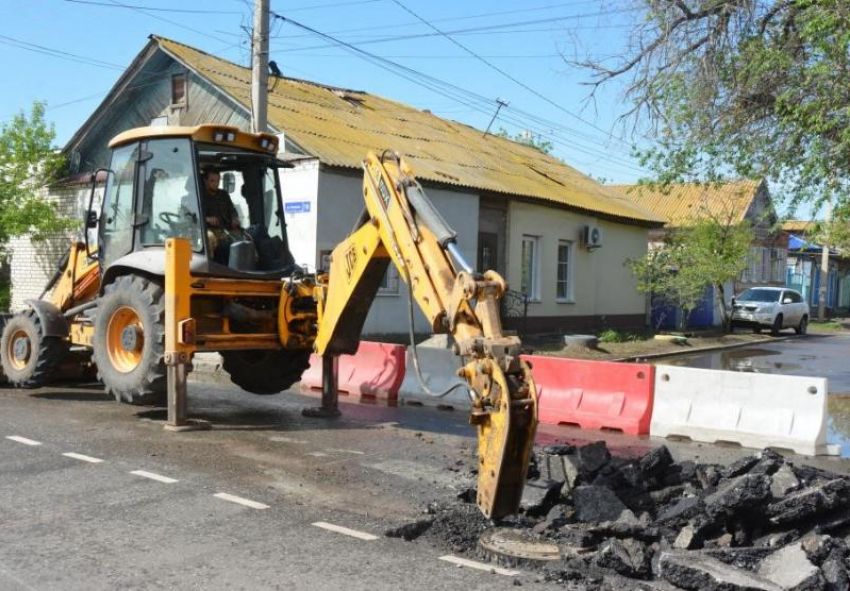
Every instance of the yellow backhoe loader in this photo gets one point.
(192, 255)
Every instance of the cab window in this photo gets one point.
(116, 220)
(169, 203)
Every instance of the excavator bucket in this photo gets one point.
(506, 428)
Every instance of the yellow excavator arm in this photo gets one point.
(400, 226)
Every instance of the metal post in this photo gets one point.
(260, 67)
(330, 390)
(177, 395)
(824, 266)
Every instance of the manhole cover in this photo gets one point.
(518, 544)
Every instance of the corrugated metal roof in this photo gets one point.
(339, 126)
(685, 203)
(800, 226)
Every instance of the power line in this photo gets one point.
(26, 45)
(524, 10)
(496, 68)
(154, 8)
(466, 97)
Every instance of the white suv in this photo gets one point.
(770, 307)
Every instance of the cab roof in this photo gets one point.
(223, 135)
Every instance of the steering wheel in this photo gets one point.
(170, 218)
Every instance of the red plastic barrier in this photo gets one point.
(594, 394)
(375, 372)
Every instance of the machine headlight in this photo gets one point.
(231, 136)
(218, 137)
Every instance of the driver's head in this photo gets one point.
(211, 179)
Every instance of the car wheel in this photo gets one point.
(777, 325)
(803, 327)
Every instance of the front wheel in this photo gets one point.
(803, 327)
(129, 341)
(777, 326)
(265, 372)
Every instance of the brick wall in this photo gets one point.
(31, 264)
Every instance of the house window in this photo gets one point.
(530, 279)
(390, 282)
(563, 285)
(178, 89)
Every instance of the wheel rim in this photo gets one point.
(19, 349)
(125, 339)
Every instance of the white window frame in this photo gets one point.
(390, 282)
(568, 297)
(533, 291)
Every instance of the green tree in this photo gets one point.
(528, 139)
(710, 252)
(28, 162)
(751, 88)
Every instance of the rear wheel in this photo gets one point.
(777, 325)
(29, 359)
(265, 372)
(129, 341)
(803, 327)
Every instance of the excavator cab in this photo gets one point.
(157, 189)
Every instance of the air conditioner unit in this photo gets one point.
(591, 237)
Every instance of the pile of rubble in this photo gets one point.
(760, 523)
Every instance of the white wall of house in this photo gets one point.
(33, 263)
(340, 204)
(300, 192)
(597, 282)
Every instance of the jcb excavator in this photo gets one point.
(158, 287)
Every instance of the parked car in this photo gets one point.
(770, 307)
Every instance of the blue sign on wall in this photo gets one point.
(297, 207)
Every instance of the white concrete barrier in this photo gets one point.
(439, 371)
(754, 410)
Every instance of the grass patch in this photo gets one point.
(830, 325)
(619, 336)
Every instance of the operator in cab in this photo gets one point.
(223, 225)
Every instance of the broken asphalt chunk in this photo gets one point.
(695, 570)
(597, 504)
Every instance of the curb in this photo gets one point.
(700, 350)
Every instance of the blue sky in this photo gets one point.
(527, 41)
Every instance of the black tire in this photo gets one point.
(803, 327)
(265, 372)
(777, 326)
(135, 371)
(29, 359)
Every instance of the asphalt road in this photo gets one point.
(237, 507)
(813, 355)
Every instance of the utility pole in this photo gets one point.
(260, 67)
(824, 265)
(501, 104)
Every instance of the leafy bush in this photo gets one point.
(5, 296)
(618, 336)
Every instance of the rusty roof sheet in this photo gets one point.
(800, 226)
(339, 126)
(685, 203)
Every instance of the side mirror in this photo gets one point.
(91, 220)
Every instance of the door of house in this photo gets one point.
(488, 251)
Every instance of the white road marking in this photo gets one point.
(82, 458)
(346, 451)
(386, 425)
(281, 439)
(317, 454)
(345, 531)
(240, 500)
(154, 476)
(479, 565)
(23, 440)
